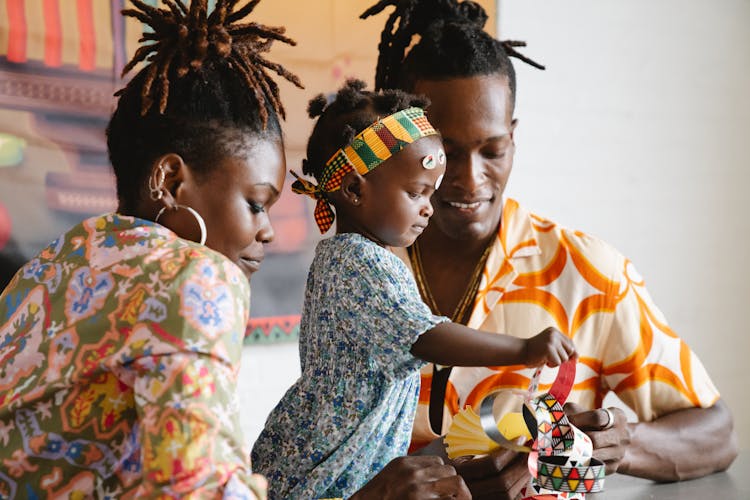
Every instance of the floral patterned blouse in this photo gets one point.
(120, 345)
(352, 409)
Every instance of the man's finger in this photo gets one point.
(506, 485)
(588, 420)
(416, 461)
(605, 439)
(449, 487)
(434, 472)
(486, 466)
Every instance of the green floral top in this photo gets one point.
(120, 345)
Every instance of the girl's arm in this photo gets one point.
(452, 344)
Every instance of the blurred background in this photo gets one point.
(636, 133)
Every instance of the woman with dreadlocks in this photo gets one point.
(533, 272)
(121, 340)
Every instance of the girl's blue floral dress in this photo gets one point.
(352, 409)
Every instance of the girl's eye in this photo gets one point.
(256, 208)
(413, 196)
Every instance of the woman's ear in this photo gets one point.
(351, 187)
(171, 172)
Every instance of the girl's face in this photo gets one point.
(235, 198)
(394, 206)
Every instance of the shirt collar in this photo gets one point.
(516, 234)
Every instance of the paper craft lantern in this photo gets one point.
(560, 458)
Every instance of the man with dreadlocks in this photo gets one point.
(534, 273)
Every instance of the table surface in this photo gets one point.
(733, 484)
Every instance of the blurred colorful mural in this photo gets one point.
(60, 62)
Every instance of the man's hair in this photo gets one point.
(203, 92)
(452, 44)
(352, 110)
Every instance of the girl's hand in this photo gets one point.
(550, 347)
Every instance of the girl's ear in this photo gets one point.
(351, 187)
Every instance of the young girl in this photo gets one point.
(365, 330)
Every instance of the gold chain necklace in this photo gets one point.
(415, 257)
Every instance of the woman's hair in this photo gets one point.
(452, 44)
(352, 110)
(204, 91)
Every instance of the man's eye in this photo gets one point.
(494, 155)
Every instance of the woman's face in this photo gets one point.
(475, 117)
(234, 198)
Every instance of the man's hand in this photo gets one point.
(415, 478)
(498, 476)
(610, 439)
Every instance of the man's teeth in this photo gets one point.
(456, 204)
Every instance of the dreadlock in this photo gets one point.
(452, 44)
(352, 110)
(204, 91)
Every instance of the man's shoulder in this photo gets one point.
(580, 245)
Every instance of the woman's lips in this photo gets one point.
(252, 264)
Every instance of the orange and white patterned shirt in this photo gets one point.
(539, 274)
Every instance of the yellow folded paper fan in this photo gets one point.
(467, 437)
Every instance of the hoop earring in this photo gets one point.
(156, 188)
(193, 212)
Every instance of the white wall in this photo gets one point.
(267, 372)
(636, 133)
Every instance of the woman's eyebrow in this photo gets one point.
(269, 186)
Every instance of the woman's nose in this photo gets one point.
(265, 232)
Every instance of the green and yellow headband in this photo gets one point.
(368, 149)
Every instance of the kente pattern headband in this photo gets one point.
(368, 149)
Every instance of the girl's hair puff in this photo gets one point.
(351, 110)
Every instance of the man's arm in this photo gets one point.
(684, 430)
(681, 445)
(684, 444)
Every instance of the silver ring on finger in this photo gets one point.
(610, 419)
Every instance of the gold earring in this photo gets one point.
(194, 213)
(156, 187)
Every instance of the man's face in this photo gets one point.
(474, 116)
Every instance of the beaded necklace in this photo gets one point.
(415, 257)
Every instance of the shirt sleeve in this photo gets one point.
(184, 365)
(387, 314)
(644, 361)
